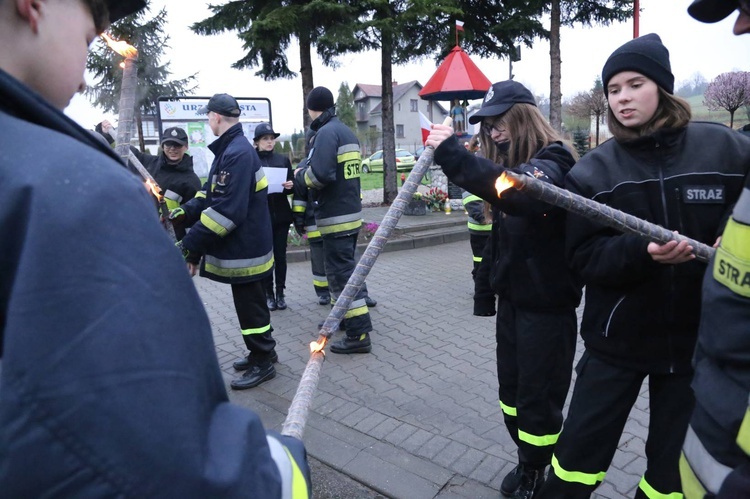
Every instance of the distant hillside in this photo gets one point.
(701, 113)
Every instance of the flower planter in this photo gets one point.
(416, 207)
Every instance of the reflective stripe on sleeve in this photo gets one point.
(469, 198)
(216, 222)
(200, 194)
(743, 436)
(261, 181)
(732, 260)
(652, 493)
(705, 469)
(311, 180)
(576, 476)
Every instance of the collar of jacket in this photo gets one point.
(20, 101)
(662, 138)
(264, 154)
(218, 145)
(185, 164)
(324, 118)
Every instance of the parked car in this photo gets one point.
(405, 161)
(418, 152)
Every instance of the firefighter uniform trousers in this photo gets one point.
(339, 265)
(534, 365)
(318, 264)
(255, 319)
(603, 396)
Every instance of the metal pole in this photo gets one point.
(297, 416)
(598, 212)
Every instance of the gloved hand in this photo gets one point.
(189, 256)
(177, 216)
(484, 306)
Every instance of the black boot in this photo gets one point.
(370, 302)
(246, 362)
(511, 481)
(280, 303)
(353, 344)
(271, 301)
(531, 481)
(324, 300)
(254, 376)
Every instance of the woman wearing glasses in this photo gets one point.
(537, 295)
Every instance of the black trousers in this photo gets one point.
(477, 242)
(534, 365)
(339, 265)
(255, 319)
(602, 399)
(318, 263)
(280, 235)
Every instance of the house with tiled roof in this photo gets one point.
(406, 108)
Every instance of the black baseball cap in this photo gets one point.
(500, 97)
(264, 129)
(121, 8)
(223, 104)
(175, 134)
(712, 11)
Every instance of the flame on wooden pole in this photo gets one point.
(597, 212)
(294, 424)
(125, 123)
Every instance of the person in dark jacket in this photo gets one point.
(715, 459)
(642, 298)
(231, 230)
(109, 381)
(280, 211)
(332, 171)
(172, 169)
(537, 295)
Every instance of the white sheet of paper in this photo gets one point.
(275, 176)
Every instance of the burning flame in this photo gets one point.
(121, 47)
(150, 185)
(502, 184)
(318, 346)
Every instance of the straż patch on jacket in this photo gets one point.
(703, 194)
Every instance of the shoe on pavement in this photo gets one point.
(370, 302)
(254, 376)
(280, 303)
(355, 344)
(271, 302)
(512, 481)
(531, 481)
(324, 300)
(245, 363)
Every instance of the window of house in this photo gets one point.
(399, 131)
(414, 105)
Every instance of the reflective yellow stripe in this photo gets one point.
(691, 486)
(256, 330)
(299, 484)
(320, 284)
(332, 229)
(477, 259)
(471, 198)
(348, 156)
(538, 440)
(652, 493)
(216, 222)
(576, 476)
(510, 411)
(312, 234)
(732, 261)
(354, 312)
(298, 209)
(481, 227)
(172, 204)
(262, 184)
(200, 194)
(239, 268)
(743, 437)
(736, 239)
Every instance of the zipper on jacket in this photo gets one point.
(605, 333)
(678, 195)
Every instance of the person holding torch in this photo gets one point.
(536, 319)
(642, 298)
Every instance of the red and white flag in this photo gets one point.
(426, 126)
(459, 25)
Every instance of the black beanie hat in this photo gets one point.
(319, 99)
(645, 55)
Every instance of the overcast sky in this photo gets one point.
(709, 49)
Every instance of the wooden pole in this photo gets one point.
(598, 212)
(297, 416)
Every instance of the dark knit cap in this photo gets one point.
(319, 99)
(645, 55)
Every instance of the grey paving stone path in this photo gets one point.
(419, 416)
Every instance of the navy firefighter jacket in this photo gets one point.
(232, 226)
(109, 382)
